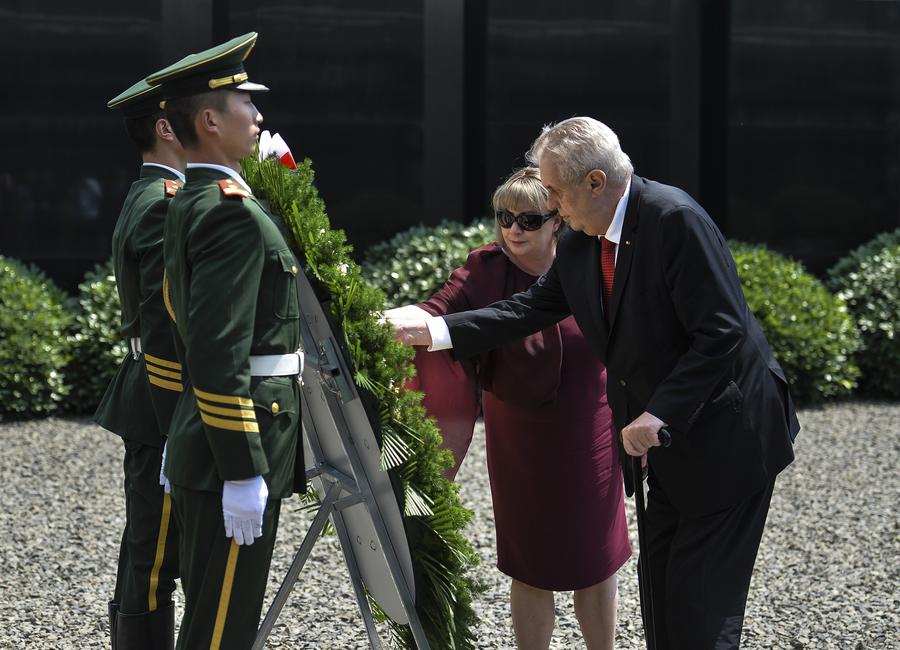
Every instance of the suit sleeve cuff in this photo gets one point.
(440, 334)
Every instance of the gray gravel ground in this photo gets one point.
(826, 577)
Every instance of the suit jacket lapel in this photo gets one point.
(626, 248)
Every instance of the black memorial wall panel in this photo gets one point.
(550, 61)
(67, 162)
(346, 80)
(814, 137)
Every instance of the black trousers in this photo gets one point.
(224, 584)
(148, 554)
(700, 570)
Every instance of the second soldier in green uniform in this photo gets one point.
(234, 442)
(139, 402)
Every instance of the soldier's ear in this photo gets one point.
(207, 121)
(164, 130)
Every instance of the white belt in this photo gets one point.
(276, 365)
(136, 350)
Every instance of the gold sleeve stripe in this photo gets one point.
(165, 363)
(225, 410)
(223, 399)
(163, 373)
(232, 425)
(164, 383)
(224, 596)
(166, 301)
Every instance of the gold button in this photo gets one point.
(293, 268)
(274, 407)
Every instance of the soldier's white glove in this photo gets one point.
(162, 470)
(243, 503)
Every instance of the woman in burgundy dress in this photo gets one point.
(553, 463)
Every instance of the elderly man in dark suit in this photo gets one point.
(652, 284)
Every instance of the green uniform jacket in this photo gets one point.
(230, 283)
(139, 401)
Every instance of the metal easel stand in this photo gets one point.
(330, 506)
(342, 491)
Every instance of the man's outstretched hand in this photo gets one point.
(410, 332)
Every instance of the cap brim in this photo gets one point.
(251, 87)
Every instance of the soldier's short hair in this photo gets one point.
(142, 130)
(182, 112)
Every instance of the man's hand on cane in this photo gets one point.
(642, 434)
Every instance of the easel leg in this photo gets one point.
(296, 566)
(356, 579)
(406, 597)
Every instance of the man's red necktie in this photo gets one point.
(608, 267)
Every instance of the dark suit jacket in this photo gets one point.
(681, 344)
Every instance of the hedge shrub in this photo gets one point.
(868, 279)
(34, 341)
(98, 347)
(415, 263)
(809, 330)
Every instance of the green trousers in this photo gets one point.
(148, 555)
(224, 584)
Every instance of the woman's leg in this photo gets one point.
(595, 608)
(533, 616)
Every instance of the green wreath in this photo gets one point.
(433, 514)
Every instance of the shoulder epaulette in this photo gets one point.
(172, 187)
(230, 188)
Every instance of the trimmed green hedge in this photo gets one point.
(98, 347)
(415, 263)
(34, 341)
(868, 279)
(809, 330)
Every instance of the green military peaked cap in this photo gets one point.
(139, 100)
(221, 66)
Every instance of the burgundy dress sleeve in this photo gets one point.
(451, 387)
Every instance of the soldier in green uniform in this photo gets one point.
(139, 402)
(234, 441)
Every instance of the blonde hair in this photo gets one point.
(523, 188)
(582, 144)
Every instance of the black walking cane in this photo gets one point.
(646, 588)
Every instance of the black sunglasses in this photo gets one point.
(526, 221)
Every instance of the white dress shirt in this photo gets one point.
(614, 232)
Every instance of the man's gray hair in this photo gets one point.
(583, 144)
